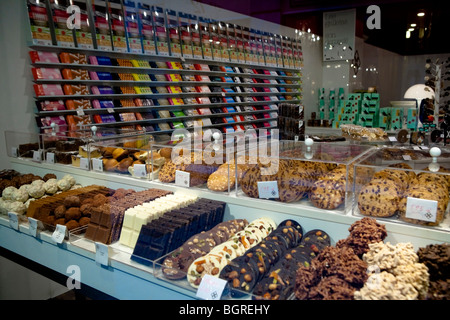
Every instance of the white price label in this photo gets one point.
(59, 233)
(101, 253)
(33, 226)
(268, 189)
(393, 139)
(14, 152)
(50, 157)
(110, 110)
(97, 165)
(140, 170)
(182, 178)
(13, 220)
(421, 209)
(80, 112)
(211, 288)
(84, 163)
(37, 156)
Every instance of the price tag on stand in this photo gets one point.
(182, 178)
(421, 209)
(101, 253)
(84, 163)
(140, 171)
(37, 156)
(14, 152)
(13, 220)
(33, 226)
(268, 189)
(211, 288)
(50, 157)
(59, 234)
(97, 165)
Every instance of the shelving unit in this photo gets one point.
(272, 95)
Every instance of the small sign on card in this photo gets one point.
(421, 209)
(101, 253)
(50, 157)
(13, 220)
(182, 178)
(33, 226)
(268, 189)
(140, 170)
(97, 165)
(59, 234)
(211, 288)
(84, 163)
(37, 156)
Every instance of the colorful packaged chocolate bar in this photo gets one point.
(132, 26)
(174, 35)
(196, 38)
(205, 38)
(102, 29)
(64, 36)
(117, 20)
(46, 73)
(146, 29)
(159, 23)
(184, 25)
(39, 23)
(83, 35)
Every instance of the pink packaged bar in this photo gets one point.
(51, 105)
(47, 57)
(59, 121)
(46, 73)
(48, 90)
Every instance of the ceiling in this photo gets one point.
(430, 35)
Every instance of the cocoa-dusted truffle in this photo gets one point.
(86, 209)
(72, 201)
(99, 199)
(73, 214)
(84, 221)
(60, 211)
(60, 221)
(72, 224)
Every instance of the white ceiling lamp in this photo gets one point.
(421, 14)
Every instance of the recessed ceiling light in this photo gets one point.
(421, 14)
(411, 29)
(413, 25)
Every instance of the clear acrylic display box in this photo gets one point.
(408, 185)
(195, 164)
(25, 145)
(318, 175)
(126, 154)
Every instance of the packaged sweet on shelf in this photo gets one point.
(50, 105)
(185, 34)
(43, 57)
(102, 29)
(410, 189)
(73, 58)
(64, 36)
(41, 33)
(117, 20)
(48, 90)
(300, 172)
(83, 34)
(159, 23)
(46, 73)
(132, 26)
(146, 28)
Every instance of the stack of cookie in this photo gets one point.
(387, 193)
(381, 196)
(430, 186)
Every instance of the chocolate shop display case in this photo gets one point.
(301, 173)
(408, 185)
